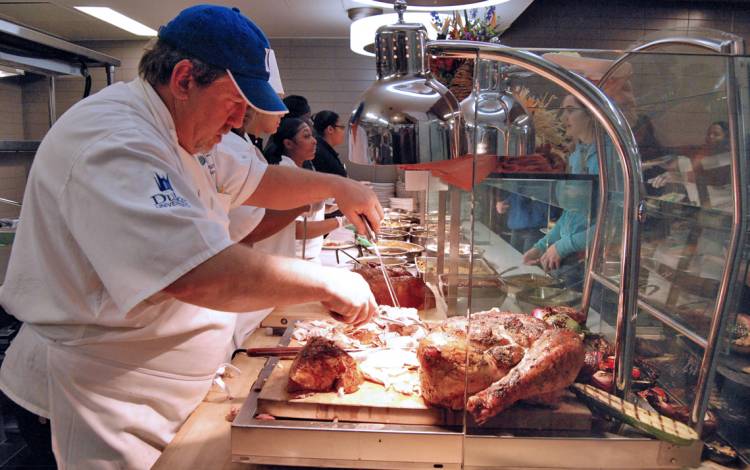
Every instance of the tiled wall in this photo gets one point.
(616, 24)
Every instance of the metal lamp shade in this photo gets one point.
(405, 116)
(492, 116)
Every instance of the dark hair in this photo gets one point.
(323, 119)
(297, 105)
(288, 128)
(159, 59)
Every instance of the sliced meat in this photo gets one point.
(322, 366)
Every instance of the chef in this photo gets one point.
(124, 244)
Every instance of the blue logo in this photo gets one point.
(163, 183)
(166, 197)
(202, 160)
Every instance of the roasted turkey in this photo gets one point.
(511, 357)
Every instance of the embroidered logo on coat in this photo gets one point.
(207, 160)
(167, 197)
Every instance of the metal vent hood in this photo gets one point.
(27, 49)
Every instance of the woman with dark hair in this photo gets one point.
(330, 134)
(294, 144)
(562, 249)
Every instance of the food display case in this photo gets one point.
(648, 284)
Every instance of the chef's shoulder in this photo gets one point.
(237, 148)
(107, 125)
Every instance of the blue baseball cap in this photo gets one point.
(225, 38)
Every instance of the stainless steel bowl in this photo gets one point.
(422, 237)
(411, 250)
(389, 250)
(388, 234)
(387, 260)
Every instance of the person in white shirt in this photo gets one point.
(124, 245)
(295, 141)
(265, 230)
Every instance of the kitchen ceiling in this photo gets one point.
(278, 18)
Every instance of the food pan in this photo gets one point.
(464, 249)
(486, 291)
(427, 267)
(531, 280)
(531, 298)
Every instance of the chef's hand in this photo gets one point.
(349, 297)
(531, 256)
(356, 200)
(550, 260)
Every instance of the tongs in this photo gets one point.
(374, 239)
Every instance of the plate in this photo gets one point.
(338, 244)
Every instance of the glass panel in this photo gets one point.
(730, 396)
(675, 103)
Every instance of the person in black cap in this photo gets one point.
(298, 107)
(124, 246)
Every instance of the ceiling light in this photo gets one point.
(362, 31)
(9, 72)
(118, 19)
(435, 5)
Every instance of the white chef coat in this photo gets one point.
(242, 219)
(115, 211)
(282, 242)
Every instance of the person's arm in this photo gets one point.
(240, 279)
(552, 236)
(284, 188)
(315, 228)
(272, 222)
(575, 236)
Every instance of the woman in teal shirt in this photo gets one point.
(561, 250)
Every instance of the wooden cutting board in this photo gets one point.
(372, 403)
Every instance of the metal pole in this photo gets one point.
(110, 69)
(596, 242)
(51, 98)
